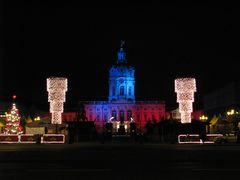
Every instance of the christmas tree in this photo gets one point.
(13, 122)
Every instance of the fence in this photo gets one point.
(32, 139)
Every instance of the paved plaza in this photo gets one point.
(119, 161)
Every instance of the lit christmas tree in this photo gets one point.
(13, 122)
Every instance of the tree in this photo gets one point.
(13, 122)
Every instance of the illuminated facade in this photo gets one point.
(121, 105)
(185, 88)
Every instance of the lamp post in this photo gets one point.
(204, 120)
(233, 117)
(232, 112)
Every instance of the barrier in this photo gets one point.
(53, 139)
(28, 139)
(32, 139)
(195, 139)
(9, 138)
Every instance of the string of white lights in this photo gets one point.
(56, 87)
(185, 88)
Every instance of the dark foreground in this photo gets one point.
(119, 161)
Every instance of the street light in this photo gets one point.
(37, 118)
(233, 117)
(203, 118)
(231, 112)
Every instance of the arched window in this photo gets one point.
(122, 91)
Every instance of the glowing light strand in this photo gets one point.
(56, 87)
(185, 88)
(13, 122)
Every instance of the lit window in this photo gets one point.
(121, 90)
(129, 114)
(129, 91)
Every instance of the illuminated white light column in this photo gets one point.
(56, 87)
(185, 88)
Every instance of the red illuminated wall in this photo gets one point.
(141, 112)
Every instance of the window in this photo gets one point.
(114, 114)
(153, 117)
(145, 117)
(105, 116)
(113, 90)
(121, 115)
(160, 116)
(129, 114)
(98, 117)
(138, 116)
(129, 91)
(121, 90)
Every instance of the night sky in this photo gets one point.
(80, 42)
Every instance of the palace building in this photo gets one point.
(122, 105)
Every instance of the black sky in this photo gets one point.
(163, 41)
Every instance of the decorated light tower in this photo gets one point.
(56, 87)
(185, 88)
(13, 122)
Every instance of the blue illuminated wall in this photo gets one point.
(121, 80)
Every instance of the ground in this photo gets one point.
(119, 161)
